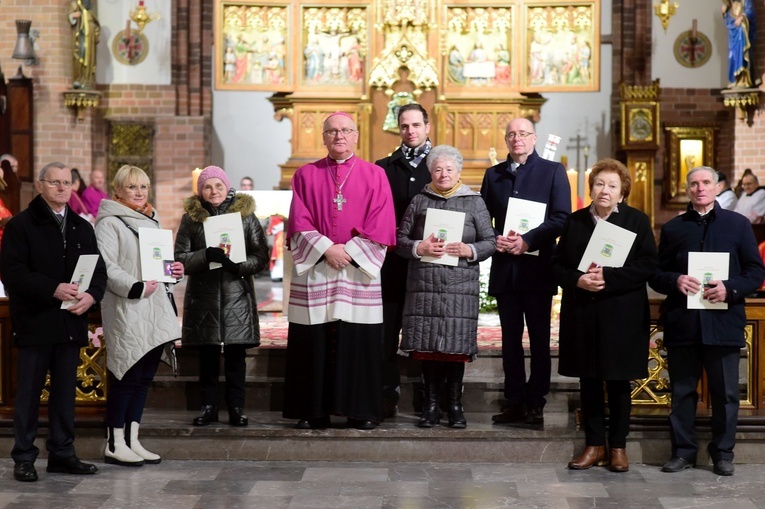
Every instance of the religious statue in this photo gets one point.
(739, 19)
(85, 31)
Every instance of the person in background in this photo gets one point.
(708, 340)
(95, 192)
(407, 174)
(340, 224)
(522, 283)
(40, 250)
(725, 195)
(246, 184)
(12, 161)
(220, 310)
(138, 316)
(604, 316)
(75, 202)
(440, 323)
(5, 213)
(751, 203)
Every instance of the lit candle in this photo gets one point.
(194, 178)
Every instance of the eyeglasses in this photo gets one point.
(520, 134)
(332, 133)
(133, 188)
(57, 183)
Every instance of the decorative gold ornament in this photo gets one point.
(81, 100)
(743, 99)
(140, 17)
(664, 9)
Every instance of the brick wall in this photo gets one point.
(693, 107)
(181, 112)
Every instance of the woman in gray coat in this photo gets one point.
(441, 308)
(220, 312)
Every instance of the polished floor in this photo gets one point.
(243, 484)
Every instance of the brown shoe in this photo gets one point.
(619, 461)
(592, 455)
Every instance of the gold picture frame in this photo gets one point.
(561, 46)
(640, 125)
(687, 147)
(251, 45)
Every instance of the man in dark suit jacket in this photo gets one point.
(522, 283)
(407, 174)
(40, 249)
(708, 339)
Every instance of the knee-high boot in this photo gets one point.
(431, 414)
(455, 371)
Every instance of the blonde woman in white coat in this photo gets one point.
(138, 316)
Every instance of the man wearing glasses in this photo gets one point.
(40, 249)
(521, 281)
(341, 223)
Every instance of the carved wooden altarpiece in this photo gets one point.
(474, 65)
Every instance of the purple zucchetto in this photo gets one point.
(212, 172)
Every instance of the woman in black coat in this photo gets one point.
(604, 318)
(219, 310)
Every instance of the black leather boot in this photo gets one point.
(454, 409)
(208, 415)
(431, 414)
(236, 417)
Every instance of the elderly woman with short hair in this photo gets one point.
(604, 317)
(441, 308)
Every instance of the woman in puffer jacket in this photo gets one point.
(138, 316)
(220, 311)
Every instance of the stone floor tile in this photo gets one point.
(205, 487)
(565, 490)
(706, 503)
(514, 473)
(322, 502)
(346, 474)
(215, 501)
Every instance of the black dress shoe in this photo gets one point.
(236, 417)
(513, 413)
(71, 465)
(535, 416)
(676, 465)
(25, 471)
(314, 423)
(724, 467)
(208, 415)
(361, 424)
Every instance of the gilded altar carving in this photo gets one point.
(334, 45)
(477, 42)
(252, 48)
(91, 385)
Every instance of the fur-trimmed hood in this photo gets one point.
(242, 203)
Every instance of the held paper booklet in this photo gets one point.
(226, 232)
(523, 216)
(608, 246)
(83, 273)
(707, 267)
(156, 250)
(446, 226)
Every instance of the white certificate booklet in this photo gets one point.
(156, 250)
(226, 232)
(707, 267)
(83, 273)
(523, 216)
(446, 226)
(608, 246)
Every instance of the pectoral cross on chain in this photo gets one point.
(339, 200)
